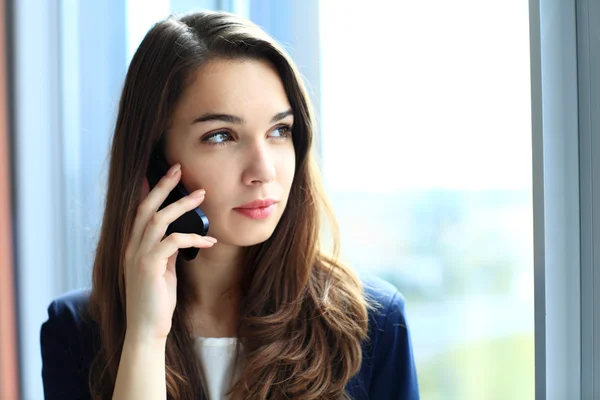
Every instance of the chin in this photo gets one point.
(244, 235)
(252, 237)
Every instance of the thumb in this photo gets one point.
(171, 262)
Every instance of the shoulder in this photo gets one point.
(388, 369)
(68, 340)
(71, 306)
(386, 309)
(385, 295)
(68, 315)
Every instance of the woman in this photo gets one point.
(262, 312)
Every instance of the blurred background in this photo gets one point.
(424, 141)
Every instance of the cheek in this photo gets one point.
(214, 180)
(287, 172)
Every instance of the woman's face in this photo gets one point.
(231, 132)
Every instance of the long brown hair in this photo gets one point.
(304, 315)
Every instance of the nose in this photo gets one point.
(260, 166)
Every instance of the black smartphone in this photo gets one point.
(193, 221)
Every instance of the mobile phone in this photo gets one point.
(193, 221)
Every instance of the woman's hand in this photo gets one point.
(150, 279)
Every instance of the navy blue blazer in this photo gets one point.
(69, 342)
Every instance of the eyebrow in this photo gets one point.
(232, 119)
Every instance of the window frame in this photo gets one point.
(565, 55)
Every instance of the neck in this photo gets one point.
(214, 278)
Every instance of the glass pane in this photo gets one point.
(427, 156)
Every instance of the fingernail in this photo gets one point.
(210, 239)
(198, 193)
(174, 169)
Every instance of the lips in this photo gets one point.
(258, 209)
(260, 203)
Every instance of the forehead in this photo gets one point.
(244, 86)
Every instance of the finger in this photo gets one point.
(158, 224)
(176, 241)
(151, 202)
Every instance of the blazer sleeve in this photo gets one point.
(64, 367)
(394, 372)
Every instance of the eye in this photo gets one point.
(282, 131)
(218, 138)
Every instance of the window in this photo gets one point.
(426, 152)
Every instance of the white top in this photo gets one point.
(217, 358)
